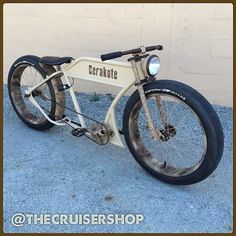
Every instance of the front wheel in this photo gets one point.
(191, 142)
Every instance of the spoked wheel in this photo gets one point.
(26, 74)
(191, 141)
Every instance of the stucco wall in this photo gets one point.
(197, 38)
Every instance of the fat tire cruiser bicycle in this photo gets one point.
(171, 130)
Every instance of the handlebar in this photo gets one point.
(114, 55)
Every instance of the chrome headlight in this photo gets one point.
(151, 65)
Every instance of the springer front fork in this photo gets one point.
(155, 133)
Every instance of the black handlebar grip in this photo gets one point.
(110, 56)
(159, 47)
(152, 48)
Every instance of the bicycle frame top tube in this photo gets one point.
(114, 73)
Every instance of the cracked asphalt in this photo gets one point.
(54, 172)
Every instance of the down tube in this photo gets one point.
(110, 119)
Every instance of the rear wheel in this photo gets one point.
(24, 73)
(191, 145)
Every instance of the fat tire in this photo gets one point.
(57, 111)
(207, 116)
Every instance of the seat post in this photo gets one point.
(58, 68)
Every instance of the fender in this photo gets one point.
(24, 59)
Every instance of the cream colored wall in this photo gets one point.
(197, 38)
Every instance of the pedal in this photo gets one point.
(78, 132)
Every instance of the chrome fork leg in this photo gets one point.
(154, 132)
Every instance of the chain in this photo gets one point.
(86, 116)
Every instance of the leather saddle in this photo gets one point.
(55, 61)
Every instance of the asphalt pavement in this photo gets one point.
(53, 172)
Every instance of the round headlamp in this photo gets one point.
(151, 65)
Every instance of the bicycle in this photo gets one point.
(171, 130)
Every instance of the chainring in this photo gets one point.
(99, 133)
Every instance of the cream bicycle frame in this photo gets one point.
(83, 69)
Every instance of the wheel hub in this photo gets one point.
(169, 131)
